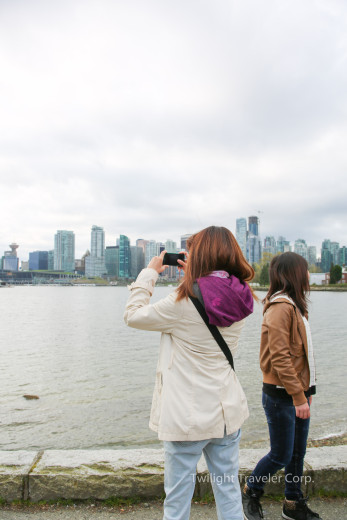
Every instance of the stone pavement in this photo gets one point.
(329, 509)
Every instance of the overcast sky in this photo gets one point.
(155, 118)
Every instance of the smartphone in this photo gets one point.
(171, 258)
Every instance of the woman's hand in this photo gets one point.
(157, 263)
(303, 411)
(183, 264)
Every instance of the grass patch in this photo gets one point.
(323, 493)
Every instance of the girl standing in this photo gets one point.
(198, 404)
(287, 363)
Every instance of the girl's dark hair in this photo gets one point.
(289, 275)
(212, 249)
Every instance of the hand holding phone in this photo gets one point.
(171, 259)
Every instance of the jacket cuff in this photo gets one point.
(299, 398)
(145, 280)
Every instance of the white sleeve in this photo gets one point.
(140, 314)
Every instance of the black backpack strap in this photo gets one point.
(214, 330)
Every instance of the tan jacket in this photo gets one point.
(196, 392)
(284, 350)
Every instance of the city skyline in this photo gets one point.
(160, 118)
(98, 231)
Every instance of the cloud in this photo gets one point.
(156, 119)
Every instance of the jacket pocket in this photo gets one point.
(297, 349)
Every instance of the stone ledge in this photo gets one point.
(83, 474)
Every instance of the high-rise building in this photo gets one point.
(10, 261)
(241, 234)
(254, 249)
(141, 242)
(269, 245)
(282, 245)
(151, 251)
(64, 251)
(112, 260)
(334, 250)
(254, 246)
(300, 247)
(38, 260)
(342, 256)
(160, 248)
(184, 239)
(312, 255)
(50, 265)
(171, 246)
(95, 262)
(137, 260)
(326, 256)
(124, 257)
(253, 226)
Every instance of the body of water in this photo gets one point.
(94, 376)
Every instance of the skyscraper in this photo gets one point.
(300, 247)
(254, 247)
(184, 239)
(64, 251)
(241, 234)
(253, 226)
(95, 262)
(312, 254)
(151, 251)
(326, 256)
(112, 260)
(124, 257)
(270, 245)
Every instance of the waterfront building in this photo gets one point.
(10, 261)
(334, 250)
(300, 247)
(137, 260)
(112, 261)
(342, 256)
(241, 234)
(312, 255)
(64, 251)
(184, 239)
(24, 265)
(124, 257)
(38, 261)
(270, 245)
(151, 251)
(95, 261)
(326, 256)
(50, 260)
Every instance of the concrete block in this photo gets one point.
(83, 474)
(14, 469)
(328, 466)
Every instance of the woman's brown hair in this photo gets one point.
(213, 249)
(289, 275)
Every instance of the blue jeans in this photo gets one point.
(288, 438)
(222, 458)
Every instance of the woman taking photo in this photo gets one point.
(198, 404)
(287, 363)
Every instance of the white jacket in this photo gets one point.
(196, 392)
